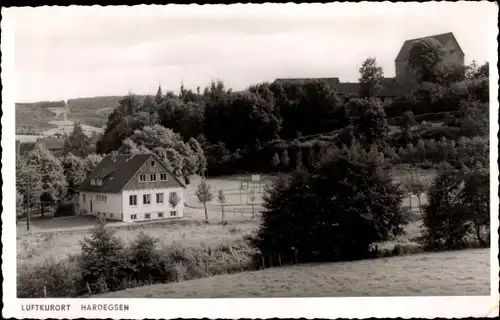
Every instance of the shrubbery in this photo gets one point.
(332, 213)
(457, 215)
(464, 152)
(107, 265)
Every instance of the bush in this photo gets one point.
(333, 213)
(144, 259)
(58, 278)
(458, 209)
(103, 260)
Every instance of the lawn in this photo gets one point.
(465, 272)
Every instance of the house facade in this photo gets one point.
(131, 188)
(454, 55)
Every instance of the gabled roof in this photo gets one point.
(408, 44)
(331, 81)
(117, 170)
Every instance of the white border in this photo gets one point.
(425, 307)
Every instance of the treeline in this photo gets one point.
(233, 128)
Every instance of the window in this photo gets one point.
(101, 198)
(147, 216)
(160, 214)
(146, 199)
(163, 177)
(173, 213)
(133, 216)
(92, 181)
(132, 200)
(99, 182)
(159, 198)
(152, 177)
(84, 197)
(142, 178)
(152, 163)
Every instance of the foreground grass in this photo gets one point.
(465, 272)
(35, 249)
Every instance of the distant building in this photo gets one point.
(131, 188)
(454, 55)
(330, 81)
(391, 87)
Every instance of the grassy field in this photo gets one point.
(35, 248)
(465, 272)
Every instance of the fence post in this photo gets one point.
(263, 262)
(45, 291)
(279, 259)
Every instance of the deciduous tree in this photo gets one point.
(204, 195)
(371, 78)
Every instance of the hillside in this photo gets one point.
(35, 117)
(465, 272)
(94, 111)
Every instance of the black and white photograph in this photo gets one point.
(165, 154)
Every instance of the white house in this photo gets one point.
(132, 188)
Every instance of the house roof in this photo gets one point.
(390, 88)
(331, 81)
(117, 170)
(408, 44)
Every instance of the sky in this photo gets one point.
(69, 52)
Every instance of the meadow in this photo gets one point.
(451, 273)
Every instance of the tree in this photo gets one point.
(204, 195)
(371, 78)
(298, 160)
(173, 200)
(221, 198)
(51, 174)
(444, 224)
(144, 260)
(475, 198)
(251, 197)
(275, 161)
(74, 171)
(407, 121)
(91, 161)
(368, 120)
(425, 59)
(336, 212)
(159, 96)
(29, 185)
(285, 160)
(77, 143)
(179, 157)
(103, 260)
